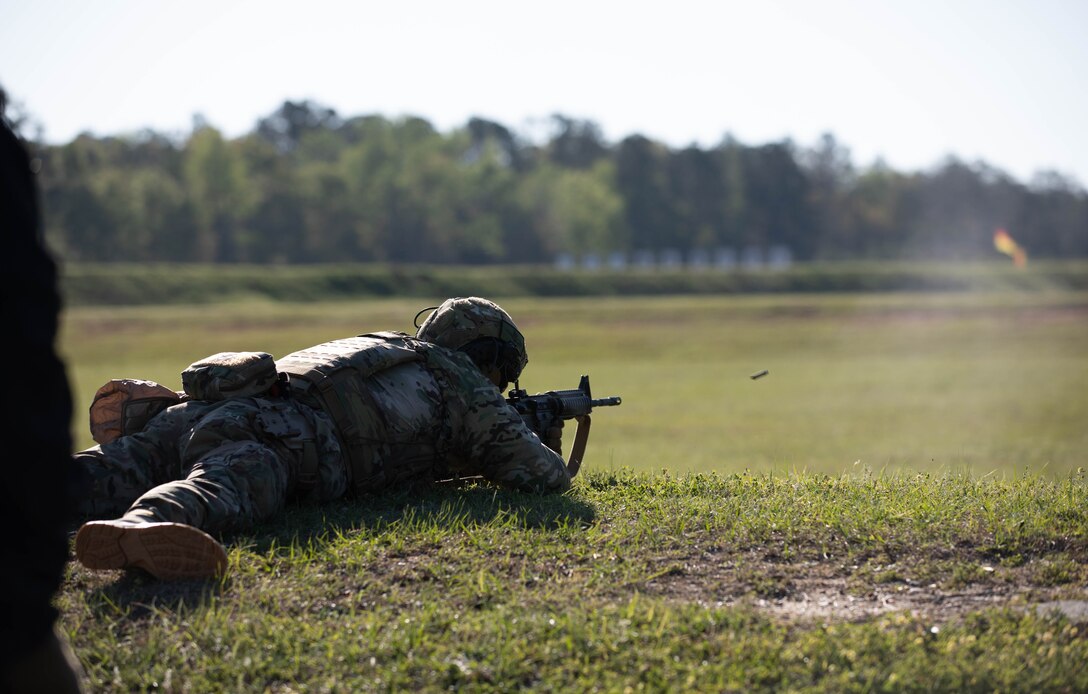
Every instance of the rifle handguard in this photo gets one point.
(541, 410)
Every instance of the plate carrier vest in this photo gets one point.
(332, 377)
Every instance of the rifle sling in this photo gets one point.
(578, 450)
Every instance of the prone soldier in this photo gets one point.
(354, 415)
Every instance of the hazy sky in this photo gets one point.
(910, 81)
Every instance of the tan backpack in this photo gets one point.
(123, 406)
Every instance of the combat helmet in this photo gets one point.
(481, 329)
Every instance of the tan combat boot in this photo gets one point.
(168, 551)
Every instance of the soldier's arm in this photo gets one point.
(506, 452)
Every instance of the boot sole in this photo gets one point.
(168, 551)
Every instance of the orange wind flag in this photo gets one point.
(1004, 243)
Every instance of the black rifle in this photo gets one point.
(544, 411)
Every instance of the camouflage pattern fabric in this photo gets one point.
(229, 375)
(487, 435)
(443, 418)
(228, 464)
(214, 465)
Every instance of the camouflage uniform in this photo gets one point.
(213, 465)
(225, 465)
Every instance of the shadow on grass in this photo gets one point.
(139, 596)
(469, 505)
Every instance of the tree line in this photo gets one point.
(309, 186)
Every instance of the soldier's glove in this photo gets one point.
(553, 437)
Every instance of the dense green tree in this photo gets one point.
(642, 181)
(733, 195)
(777, 201)
(696, 183)
(870, 217)
(293, 120)
(576, 211)
(307, 186)
(503, 144)
(270, 225)
(78, 218)
(956, 213)
(576, 144)
(214, 176)
(831, 175)
(1053, 218)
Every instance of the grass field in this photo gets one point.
(992, 382)
(630, 582)
(899, 505)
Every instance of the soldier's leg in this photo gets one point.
(116, 474)
(241, 475)
(230, 488)
(249, 458)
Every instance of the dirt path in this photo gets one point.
(820, 591)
